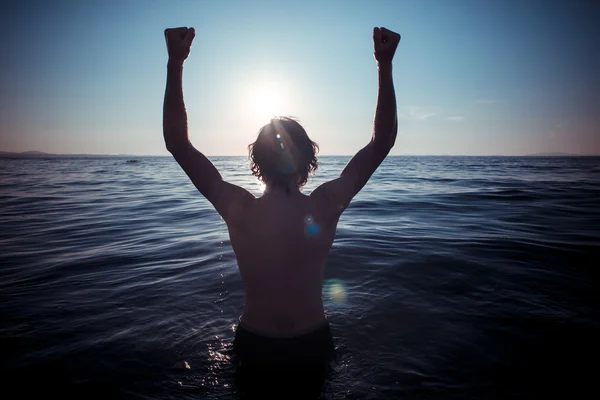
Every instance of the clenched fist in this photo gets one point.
(179, 42)
(385, 42)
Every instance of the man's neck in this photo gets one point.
(281, 190)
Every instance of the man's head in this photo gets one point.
(283, 154)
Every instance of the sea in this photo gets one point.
(450, 277)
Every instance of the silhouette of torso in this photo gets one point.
(281, 243)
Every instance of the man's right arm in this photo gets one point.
(339, 192)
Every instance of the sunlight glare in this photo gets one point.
(265, 101)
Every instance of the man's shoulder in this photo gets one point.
(239, 204)
(327, 197)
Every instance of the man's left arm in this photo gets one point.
(225, 197)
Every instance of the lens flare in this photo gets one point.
(336, 291)
(311, 228)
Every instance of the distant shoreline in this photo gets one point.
(42, 155)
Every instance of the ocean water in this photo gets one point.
(450, 277)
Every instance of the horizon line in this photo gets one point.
(36, 153)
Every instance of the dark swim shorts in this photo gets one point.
(300, 363)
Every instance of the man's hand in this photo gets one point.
(385, 42)
(179, 42)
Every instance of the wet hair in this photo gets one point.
(283, 154)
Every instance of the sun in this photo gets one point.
(265, 101)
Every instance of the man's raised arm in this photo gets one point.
(175, 129)
(386, 119)
(339, 192)
(228, 199)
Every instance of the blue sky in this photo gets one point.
(472, 77)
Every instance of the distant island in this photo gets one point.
(41, 154)
(552, 154)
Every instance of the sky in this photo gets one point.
(472, 77)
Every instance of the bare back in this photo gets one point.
(281, 243)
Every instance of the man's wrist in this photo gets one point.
(174, 63)
(385, 67)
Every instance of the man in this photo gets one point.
(281, 239)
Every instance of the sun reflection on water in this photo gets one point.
(219, 360)
(261, 186)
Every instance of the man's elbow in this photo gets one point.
(392, 141)
(176, 146)
(394, 134)
(383, 146)
(385, 140)
(385, 143)
(171, 147)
